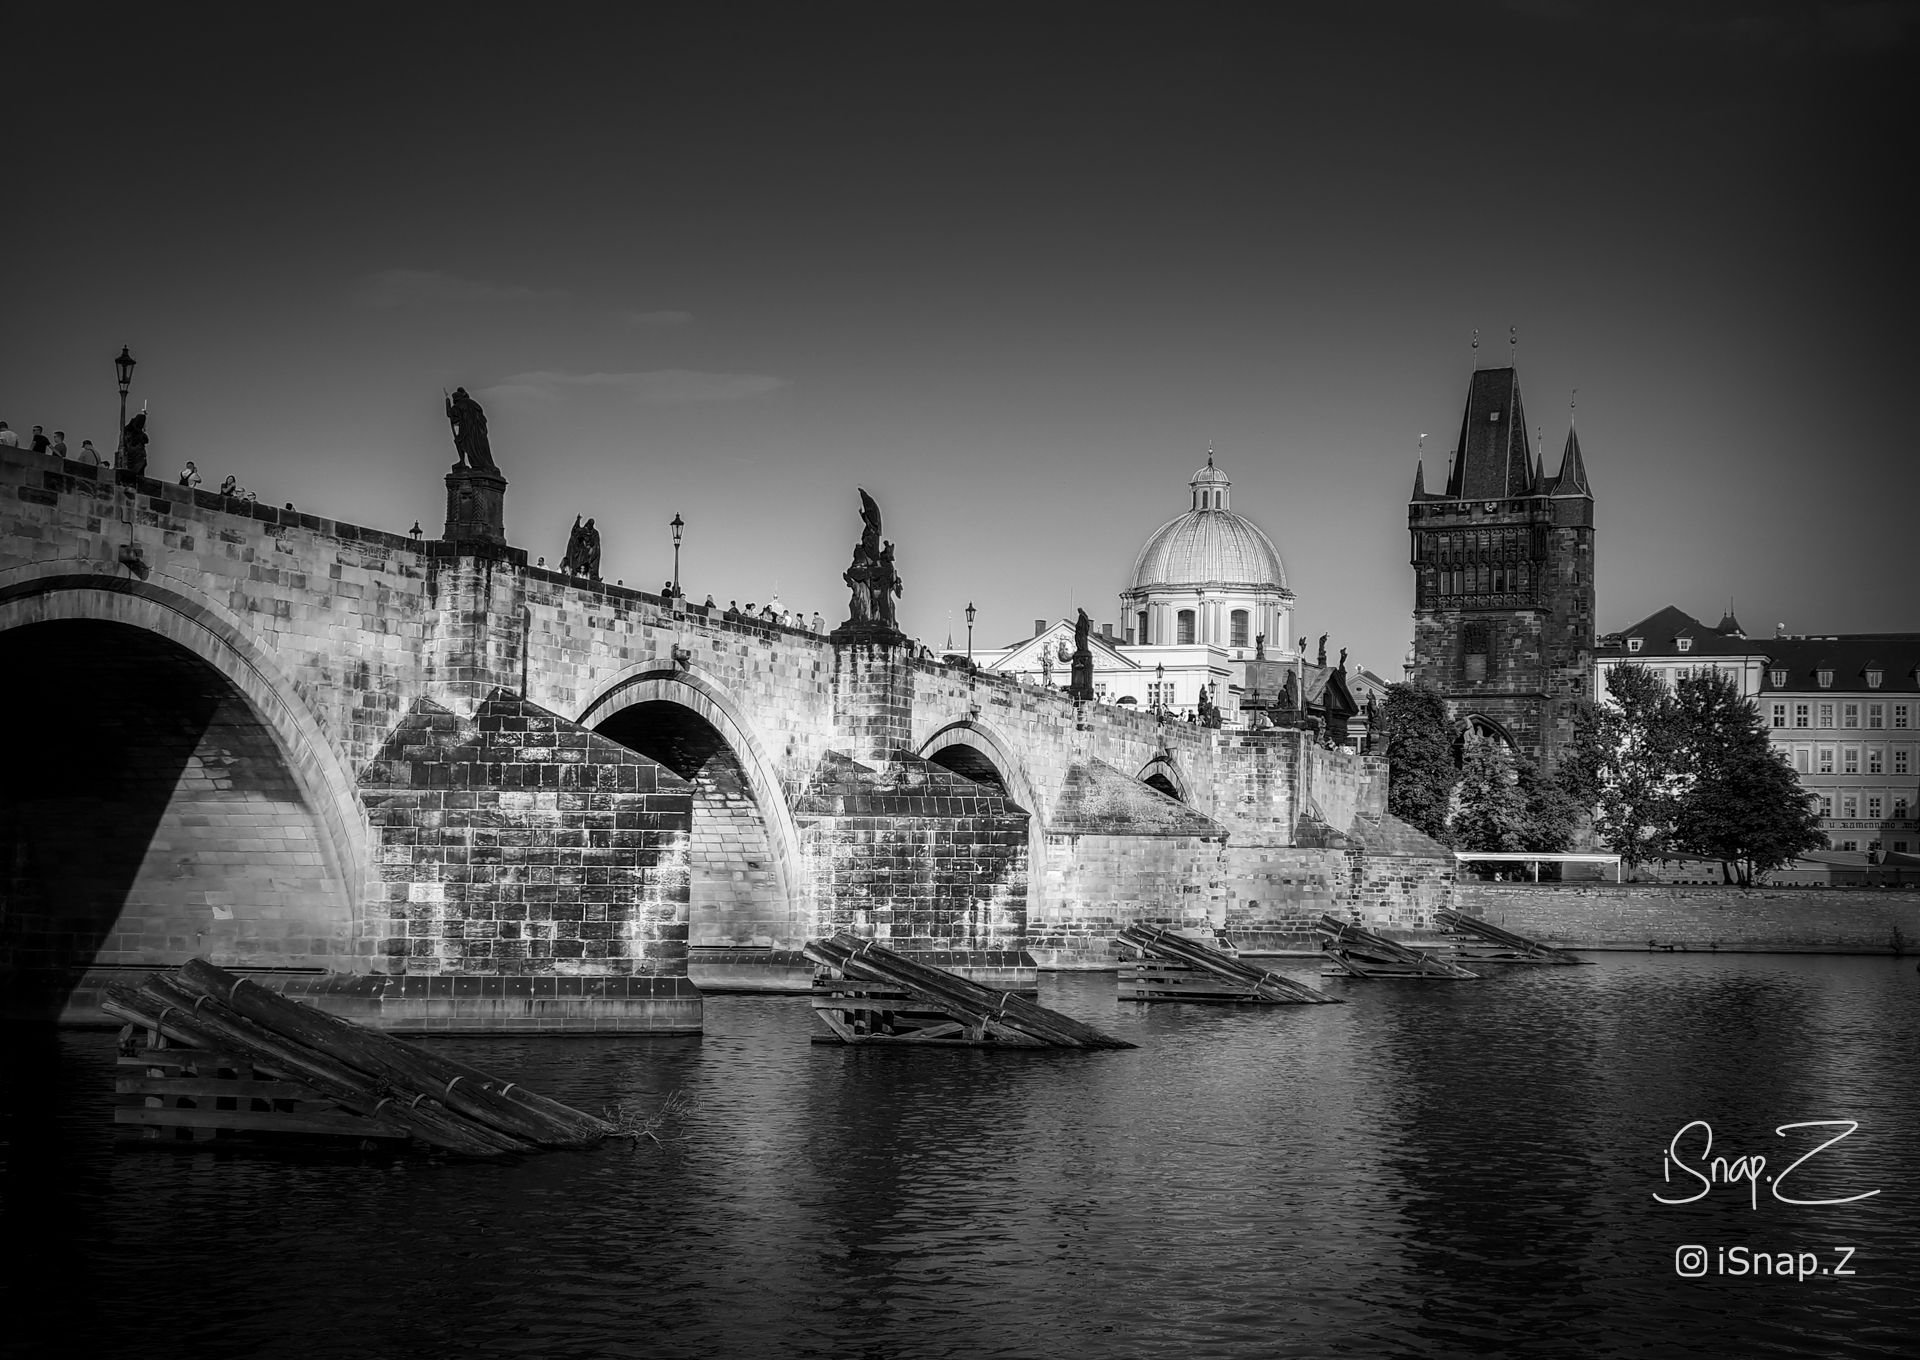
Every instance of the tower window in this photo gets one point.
(1141, 634)
(1238, 623)
(1476, 651)
(1183, 628)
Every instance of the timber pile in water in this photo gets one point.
(870, 994)
(1357, 952)
(224, 1052)
(1489, 943)
(1176, 967)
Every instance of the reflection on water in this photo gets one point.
(1432, 1169)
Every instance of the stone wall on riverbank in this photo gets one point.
(1757, 920)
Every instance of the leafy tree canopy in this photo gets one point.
(1419, 746)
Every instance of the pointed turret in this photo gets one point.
(1572, 480)
(1492, 462)
(1420, 480)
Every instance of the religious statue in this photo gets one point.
(1342, 667)
(872, 580)
(1081, 689)
(469, 432)
(570, 563)
(133, 446)
(590, 551)
(1259, 646)
(1046, 668)
(1322, 659)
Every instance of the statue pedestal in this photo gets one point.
(476, 506)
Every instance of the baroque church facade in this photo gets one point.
(1503, 566)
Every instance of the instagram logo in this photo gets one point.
(1690, 1263)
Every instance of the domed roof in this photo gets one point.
(1209, 545)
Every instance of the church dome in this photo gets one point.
(1209, 545)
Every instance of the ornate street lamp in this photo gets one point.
(1160, 689)
(123, 370)
(970, 614)
(677, 525)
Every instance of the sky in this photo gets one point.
(1010, 268)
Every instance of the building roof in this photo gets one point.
(1491, 461)
(1209, 548)
(1895, 655)
(1660, 635)
(1571, 480)
(1849, 656)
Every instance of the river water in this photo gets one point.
(1432, 1169)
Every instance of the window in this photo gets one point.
(1238, 623)
(1900, 814)
(1778, 679)
(1779, 715)
(1683, 644)
(1825, 676)
(1802, 759)
(1183, 631)
(1873, 807)
(1876, 715)
(1849, 806)
(1876, 759)
(1826, 760)
(1849, 715)
(1141, 619)
(1633, 644)
(1874, 676)
(1849, 845)
(1900, 846)
(1899, 760)
(1826, 715)
(1900, 715)
(1850, 760)
(1801, 713)
(1477, 651)
(1826, 805)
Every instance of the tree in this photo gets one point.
(1743, 804)
(1489, 808)
(1552, 809)
(1625, 761)
(1419, 746)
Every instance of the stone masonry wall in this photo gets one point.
(1628, 916)
(517, 843)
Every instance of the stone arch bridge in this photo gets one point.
(425, 783)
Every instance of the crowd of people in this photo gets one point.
(55, 446)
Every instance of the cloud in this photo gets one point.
(414, 287)
(656, 387)
(656, 318)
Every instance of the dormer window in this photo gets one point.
(1493, 417)
(1684, 644)
(1825, 676)
(1778, 679)
(1874, 676)
(1633, 644)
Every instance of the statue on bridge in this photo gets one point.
(583, 551)
(1081, 687)
(871, 578)
(133, 446)
(470, 432)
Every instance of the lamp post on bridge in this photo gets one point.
(123, 370)
(677, 525)
(973, 704)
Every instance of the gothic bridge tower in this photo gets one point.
(1503, 576)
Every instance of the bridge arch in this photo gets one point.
(176, 797)
(974, 749)
(747, 874)
(1163, 773)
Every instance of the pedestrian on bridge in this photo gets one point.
(190, 476)
(90, 455)
(8, 438)
(59, 449)
(39, 440)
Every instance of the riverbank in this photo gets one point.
(1720, 919)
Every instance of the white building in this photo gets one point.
(1204, 589)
